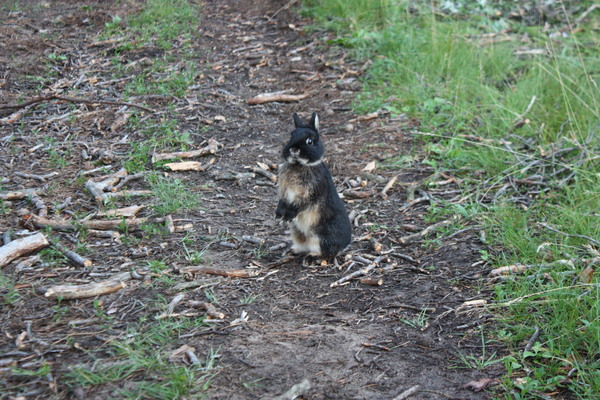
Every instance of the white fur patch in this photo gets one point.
(304, 223)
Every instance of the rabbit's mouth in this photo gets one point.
(303, 161)
(293, 157)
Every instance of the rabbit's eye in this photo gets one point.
(309, 141)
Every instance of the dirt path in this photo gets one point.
(353, 341)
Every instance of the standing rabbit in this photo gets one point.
(308, 198)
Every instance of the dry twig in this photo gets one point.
(232, 273)
(420, 235)
(71, 99)
(108, 286)
(277, 96)
(20, 247)
(364, 271)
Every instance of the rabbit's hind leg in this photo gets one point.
(305, 242)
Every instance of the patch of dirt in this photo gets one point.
(353, 341)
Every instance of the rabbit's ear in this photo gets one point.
(297, 121)
(314, 122)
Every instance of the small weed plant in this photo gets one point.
(142, 358)
(510, 107)
(172, 195)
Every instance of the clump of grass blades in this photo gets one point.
(534, 118)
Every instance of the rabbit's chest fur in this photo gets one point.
(297, 183)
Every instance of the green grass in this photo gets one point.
(172, 195)
(8, 294)
(141, 357)
(436, 65)
(167, 27)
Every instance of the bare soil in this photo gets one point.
(353, 341)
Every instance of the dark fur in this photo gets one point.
(308, 198)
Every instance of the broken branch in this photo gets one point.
(71, 255)
(232, 273)
(64, 225)
(277, 96)
(108, 286)
(20, 194)
(20, 247)
(72, 100)
(360, 272)
(420, 235)
(211, 148)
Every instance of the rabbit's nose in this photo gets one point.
(294, 151)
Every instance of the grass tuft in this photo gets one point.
(501, 99)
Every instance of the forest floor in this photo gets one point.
(280, 321)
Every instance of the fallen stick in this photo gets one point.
(360, 272)
(106, 225)
(235, 176)
(36, 177)
(27, 263)
(363, 118)
(126, 212)
(569, 234)
(388, 186)
(265, 173)
(277, 96)
(108, 286)
(413, 202)
(72, 100)
(128, 193)
(186, 166)
(125, 180)
(298, 390)
(420, 235)
(98, 189)
(172, 304)
(408, 393)
(39, 205)
(211, 148)
(210, 309)
(232, 273)
(197, 284)
(20, 194)
(371, 281)
(532, 340)
(20, 247)
(17, 115)
(509, 269)
(74, 257)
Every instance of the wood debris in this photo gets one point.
(364, 271)
(210, 309)
(190, 165)
(277, 97)
(20, 194)
(131, 224)
(425, 232)
(211, 148)
(108, 286)
(231, 273)
(509, 269)
(72, 256)
(21, 247)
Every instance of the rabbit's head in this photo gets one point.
(305, 146)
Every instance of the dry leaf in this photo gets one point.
(478, 386)
(370, 167)
(180, 352)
